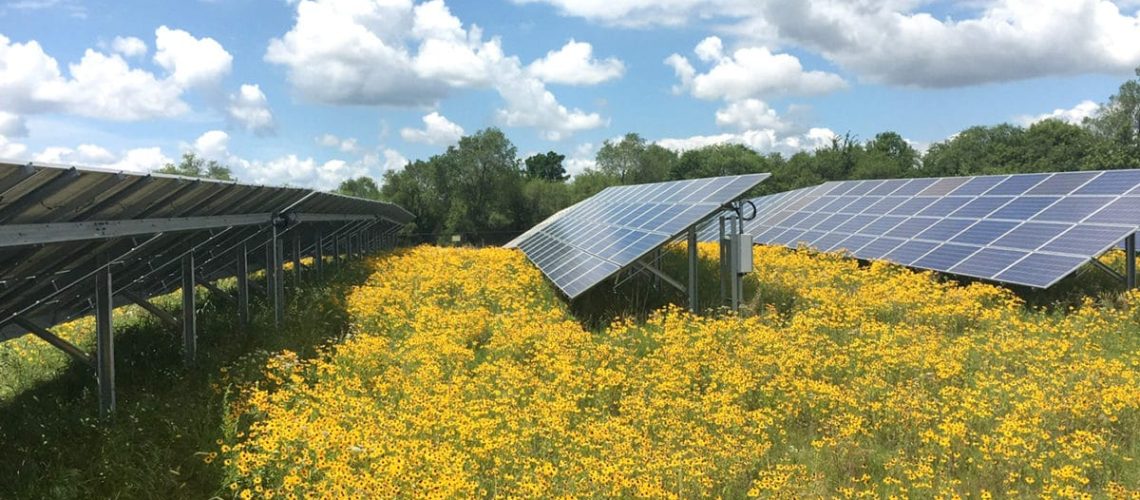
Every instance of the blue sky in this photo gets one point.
(311, 92)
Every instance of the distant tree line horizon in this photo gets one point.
(481, 189)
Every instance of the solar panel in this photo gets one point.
(583, 245)
(56, 221)
(1026, 229)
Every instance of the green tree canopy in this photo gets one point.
(546, 166)
(360, 187)
(193, 166)
(632, 160)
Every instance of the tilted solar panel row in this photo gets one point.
(55, 223)
(583, 245)
(1026, 229)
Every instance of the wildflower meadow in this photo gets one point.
(463, 375)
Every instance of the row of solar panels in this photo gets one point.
(587, 243)
(1026, 229)
(56, 223)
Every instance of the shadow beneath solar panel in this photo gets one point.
(639, 296)
(54, 446)
(1086, 283)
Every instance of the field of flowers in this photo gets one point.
(466, 376)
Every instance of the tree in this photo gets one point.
(193, 166)
(887, 156)
(472, 188)
(977, 151)
(1119, 119)
(546, 166)
(632, 160)
(590, 182)
(717, 160)
(360, 187)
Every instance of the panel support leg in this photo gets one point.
(151, 308)
(297, 258)
(189, 318)
(694, 304)
(243, 283)
(320, 255)
(1130, 261)
(104, 340)
(54, 340)
(278, 289)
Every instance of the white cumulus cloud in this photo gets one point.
(574, 64)
(398, 53)
(249, 108)
(346, 145)
(749, 72)
(1075, 115)
(129, 46)
(12, 125)
(191, 61)
(765, 140)
(437, 131)
(900, 42)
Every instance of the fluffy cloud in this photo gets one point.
(11, 150)
(104, 85)
(574, 64)
(352, 52)
(399, 53)
(141, 160)
(437, 131)
(84, 154)
(585, 156)
(1074, 115)
(347, 145)
(191, 62)
(129, 46)
(761, 140)
(297, 171)
(250, 109)
(750, 114)
(212, 145)
(895, 42)
(133, 160)
(12, 125)
(749, 72)
(642, 13)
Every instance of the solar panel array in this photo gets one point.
(1026, 229)
(45, 280)
(583, 245)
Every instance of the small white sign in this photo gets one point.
(456, 238)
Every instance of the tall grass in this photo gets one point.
(167, 417)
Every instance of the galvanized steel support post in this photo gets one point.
(694, 304)
(1130, 261)
(297, 270)
(243, 283)
(278, 290)
(104, 340)
(189, 318)
(269, 287)
(319, 255)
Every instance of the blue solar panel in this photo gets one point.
(587, 243)
(990, 227)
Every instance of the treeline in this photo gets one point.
(481, 189)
